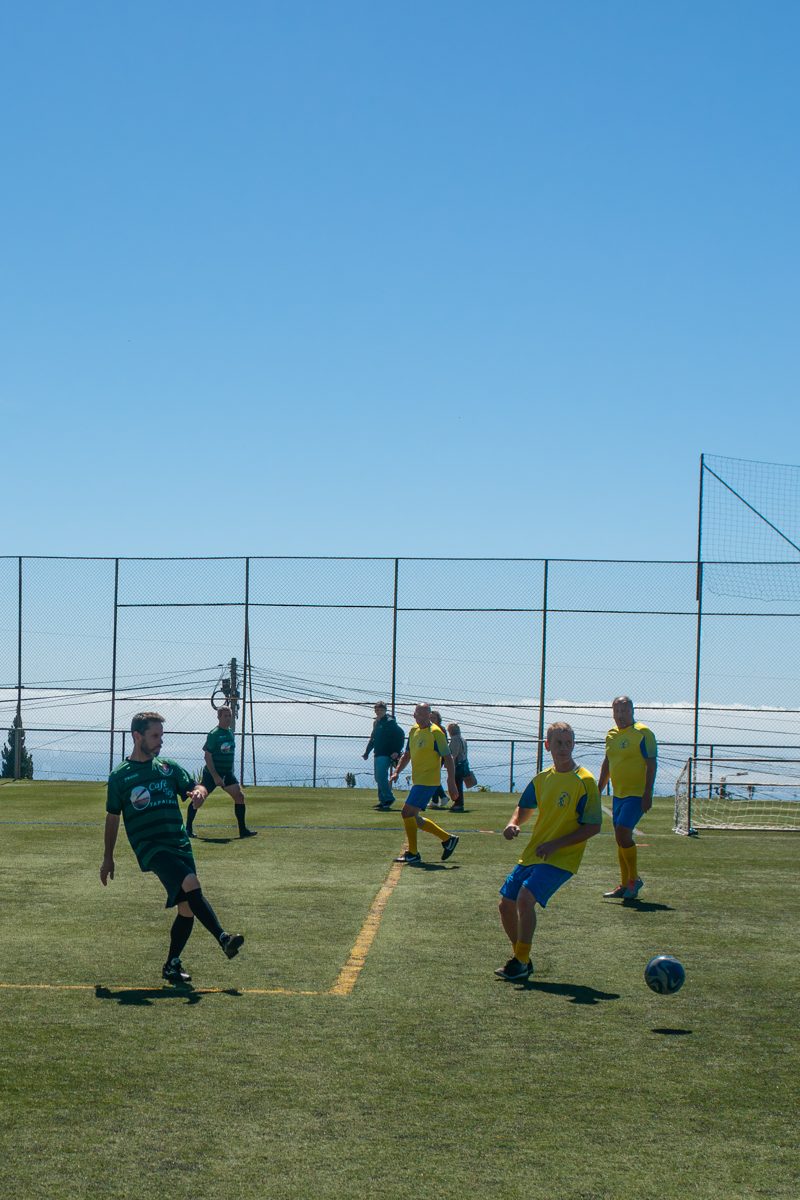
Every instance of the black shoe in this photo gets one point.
(231, 943)
(410, 860)
(190, 832)
(449, 846)
(383, 808)
(515, 971)
(457, 808)
(248, 833)
(173, 972)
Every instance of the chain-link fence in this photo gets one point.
(502, 646)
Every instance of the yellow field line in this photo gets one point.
(358, 955)
(145, 987)
(343, 986)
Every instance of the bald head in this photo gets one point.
(422, 715)
(622, 708)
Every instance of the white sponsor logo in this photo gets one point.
(140, 798)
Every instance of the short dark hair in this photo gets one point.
(142, 721)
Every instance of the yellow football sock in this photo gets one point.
(411, 833)
(431, 827)
(623, 866)
(630, 863)
(522, 951)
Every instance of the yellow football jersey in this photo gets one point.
(628, 752)
(427, 747)
(565, 800)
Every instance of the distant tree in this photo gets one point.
(350, 779)
(8, 753)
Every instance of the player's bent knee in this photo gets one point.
(190, 884)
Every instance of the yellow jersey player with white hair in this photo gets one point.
(631, 764)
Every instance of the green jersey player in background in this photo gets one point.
(144, 791)
(220, 751)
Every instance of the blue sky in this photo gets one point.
(373, 279)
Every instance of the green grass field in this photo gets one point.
(426, 1076)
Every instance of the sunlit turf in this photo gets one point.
(432, 1078)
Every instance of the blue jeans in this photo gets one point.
(382, 764)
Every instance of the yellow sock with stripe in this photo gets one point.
(522, 951)
(630, 863)
(411, 833)
(431, 827)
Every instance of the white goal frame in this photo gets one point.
(738, 793)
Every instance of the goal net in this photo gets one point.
(738, 793)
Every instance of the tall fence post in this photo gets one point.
(114, 669)
(246, 671)
(543, 676)
(314, 766)
(511, 769)
(18, 734)
(394, 631)
(698, 635)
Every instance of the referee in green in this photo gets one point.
(144, 791)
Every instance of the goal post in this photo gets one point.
(738, 793)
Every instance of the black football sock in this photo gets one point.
(204, 912)
(190, 812)
(179, 935)
(239, 810)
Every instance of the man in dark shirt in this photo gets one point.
(387, 743)
(144, 791)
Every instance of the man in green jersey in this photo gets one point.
(144, 791)
(220, 751)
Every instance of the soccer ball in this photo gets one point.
(664, 974)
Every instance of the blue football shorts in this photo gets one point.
(541, 879)
(421, 795)
(626, 811)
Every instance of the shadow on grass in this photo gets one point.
(144, 997)
(667, 1032)
(578, 993)
(215, 841)
(440, 866)
(646, 906)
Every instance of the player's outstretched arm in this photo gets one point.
(581, 834)
(406, 755)
(110, 841)
(198, 795)
(519, 817)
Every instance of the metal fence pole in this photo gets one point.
(246, 664)
(114, 668)
(698, 636)
(314, 767)
(18, 737)
(394, 632)
(543, 676)
(511, 770)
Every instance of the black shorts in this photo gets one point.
(172, 869)
(228, 780)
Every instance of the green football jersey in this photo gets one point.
(146, 794)
(221, 745)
